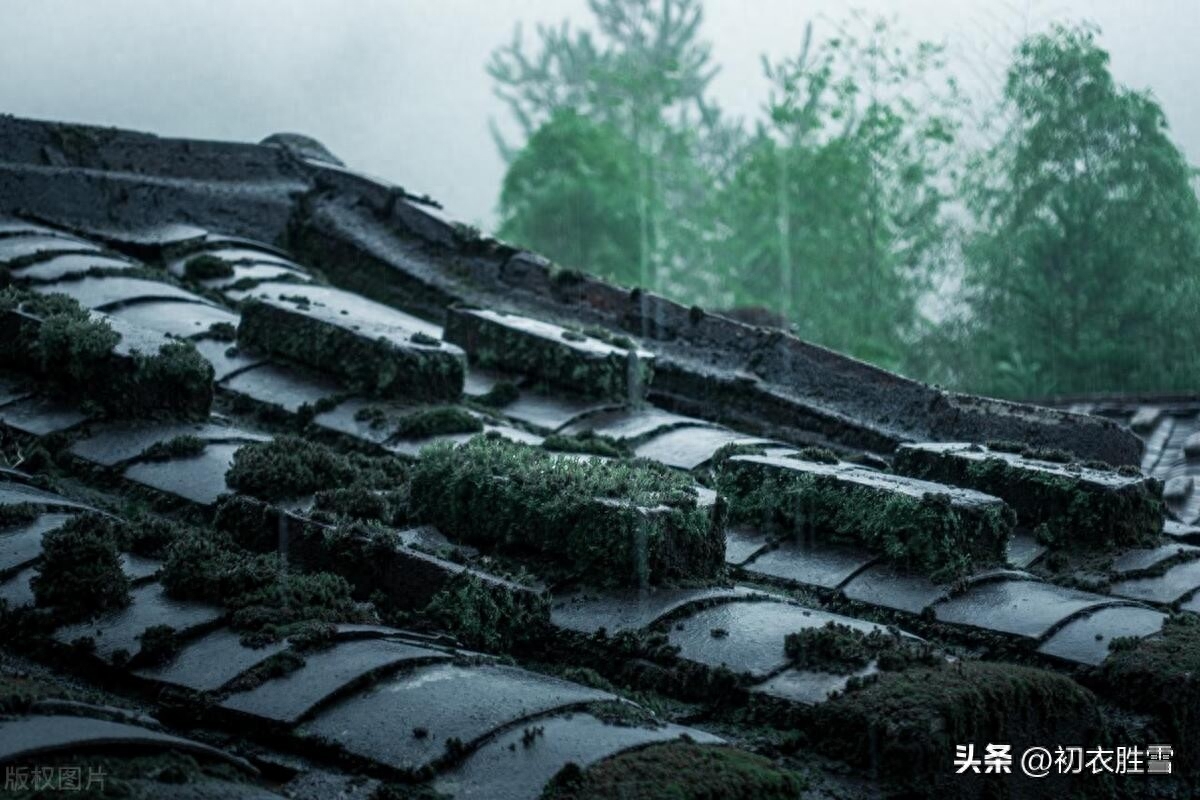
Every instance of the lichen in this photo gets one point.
(682, 770)
(614, 522)
(80, 572)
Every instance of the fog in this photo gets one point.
(398, 88)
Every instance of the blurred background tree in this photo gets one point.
(867, 211)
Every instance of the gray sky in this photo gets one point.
(396, 88)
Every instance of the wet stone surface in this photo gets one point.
(41, 416)
(149, 606)
(1087, 640)
(63, 266)
(282, 387)
(630, 423)
(447, 701)
(13, 388)
(633, 609)
(225, 358)
(197, 479)
(231, 256)
(825, 566)
(1172, 585)
(16, 248)
(346, 307)
(113, 443)
(256, 272)
(210, 662)
(754, 631)
(742, 543)
(807, 687)
(1019, 607)
(104, 293)
(688, 448)
(288, 699)
(12, 493)
(21, 545)
(508, 769)
(1024, 549)
(549, 412)
(886, 586)
(1146, 558)
(175, 318)
(17, 591)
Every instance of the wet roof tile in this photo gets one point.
(341, 305)
(550, 412)
(1019, 607)
(741, 543)
(12, 493)
(1087, 640)
(198, 479)
(1023, 549)
(688, 448)
(41, 415)
(149, 606)
(808, 687)
(507, 769)
(256, 272)
(17, 591)
(1174, 584)
(1147, 557)
(631, 423)
(71, 264)
(818, 564)
(210, 662)
(632, 609)
(884, 585)
(447, 701)
(21, 545)
(102, 293)
(111, 443)
(175, 318)
(283, 387)
(289, 698)
(15, 248)
(226, 359)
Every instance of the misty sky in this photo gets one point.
(397, 88)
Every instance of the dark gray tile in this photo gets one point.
(344, 307)
(550, 412)
(822, 565)
(12, 493)
(1174, 584)
(630, 423)
(41, 415)
(629, 610)
(1147, 557)
(14, 248)
(884, 585)
(282, 387)
(688, 448)
(64, 266)
(102, 293)
(226, 358)
(21, 545)
(175, 318)
(17, 591)
(807, 687)
(742, 543)
(1019, 607)
(1086, 640)
(1024, 549)
(109, 444)
(199, 479)
(212, 661)
(149, 606)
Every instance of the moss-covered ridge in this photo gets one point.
(938, 530)
(81, 354)
(386, 362)
(614, 523)
(1066, 501)
(603, 368)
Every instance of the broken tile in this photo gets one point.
(198, 479)
(41, 415)
(688, 448)
(447, 701)
(1019, 607)
(372, 352)
(178, 319)
(149, 606)
(112, 291)
(743, 543)
(324, 673)
(632, 423)
(210, 662)
(753, 634)
(1086, 640)
(1172, 585)
(21, 545)
(526, 346)
(505, 768)
(632, 610)
(282, 387)
(885, 585)
(68, 265)
(818, 564)
(114, 442)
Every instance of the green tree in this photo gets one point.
(838, 208)
(1084, 273)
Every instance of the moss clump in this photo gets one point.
(590, 443)
(841, 649)
(501, 394)
(18, 514)
(606, 336)
(437, 421)
(425, 339)
(926, 532)
(820, 455)
(221, 332)
(159, 645)
(486, 616)
(905, 725)
(1160, 675)
(291, 466)
(278, 665)
(207, 268)
(359, 502)
(179, 447)
(614, 522)
(1066, 505)
(680, 770)
(80, 572)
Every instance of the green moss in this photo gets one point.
(485, 616)
(18, 514)
(178, 447)
(588, 442)
(614, 339)
(841, 649)
(904, 725)
(437, 421)
(159, 645)
(680, 770)
(425, 339)
(375, 416)
(221, 332)
(80, 572)
(501, 394)
(206, 268)
(1061, 505)
(275, 666)
(820, 455)
(590, 515)
(927, 533)
(291, 466)
(358, 502)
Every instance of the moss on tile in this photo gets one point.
(928, 533)
(437, 421)
(681, 770)
(613, 522)
(1063, 505)
(177, 447)
(18, 514)
(840, 649)
(80, 573)
(291, 466)
(207, 268)
(501, 394)
(589, 443)
(486, 616)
